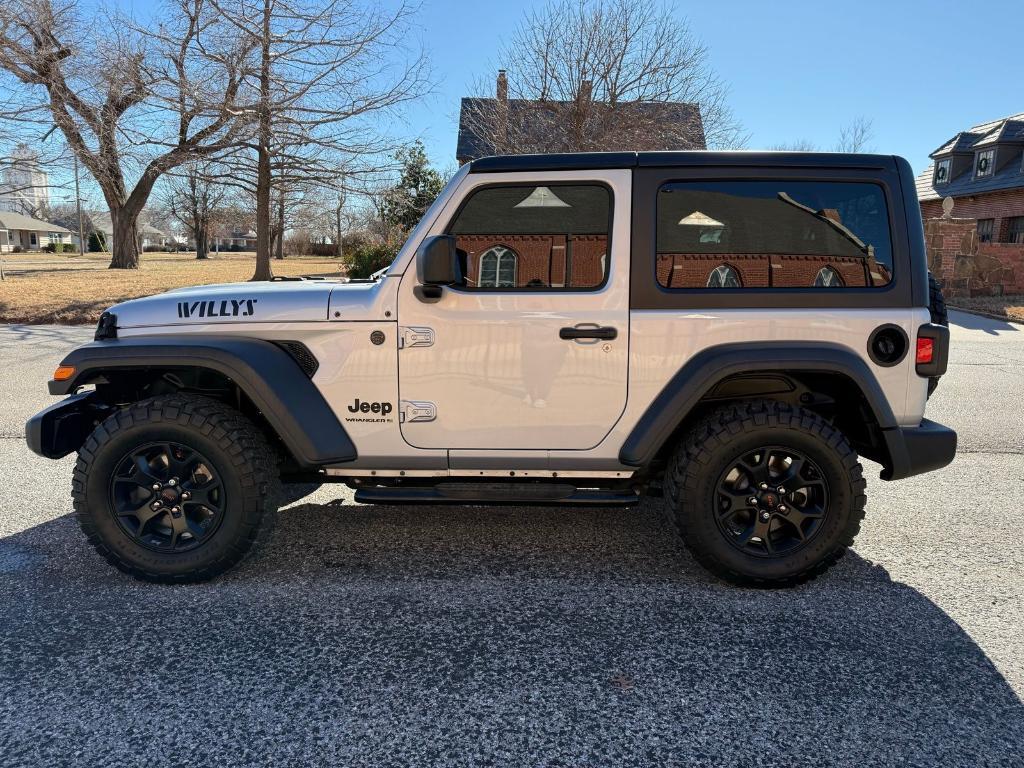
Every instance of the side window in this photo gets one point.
(773, 234)
(530, 237)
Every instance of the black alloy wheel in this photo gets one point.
(771, 501)
(167, 497)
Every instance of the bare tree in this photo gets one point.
(323, 75)
(600, 74)
(800, 145)
(194, 198)
(857, 136)
(130, 103)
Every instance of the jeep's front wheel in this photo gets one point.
(765, 494)
(175, 488)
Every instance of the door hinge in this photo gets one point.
(416, 410)
(415, 337)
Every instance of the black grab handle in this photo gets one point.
(606, 332)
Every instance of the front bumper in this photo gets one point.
(916, 450)
(63, 427)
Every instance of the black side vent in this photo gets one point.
(301, 354)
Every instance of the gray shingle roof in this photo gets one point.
(1007, 131)
(9, 220)
(537, 125)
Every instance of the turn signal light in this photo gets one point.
(64, 372)
(925, 351)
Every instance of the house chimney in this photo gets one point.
(502, 86)
(501, 115)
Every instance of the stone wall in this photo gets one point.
(969, 268)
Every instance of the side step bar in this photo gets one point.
(543, 494)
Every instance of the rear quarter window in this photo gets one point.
(773, 234)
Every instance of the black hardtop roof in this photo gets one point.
(581, 161)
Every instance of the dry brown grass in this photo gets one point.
(51, 288)
(1010, 307)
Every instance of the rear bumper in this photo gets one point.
(62, 428)
(916, 450)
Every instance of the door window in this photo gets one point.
(527, 237)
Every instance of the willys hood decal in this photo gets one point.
(273, 302)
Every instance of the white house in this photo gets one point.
(28, 234)
(148, 235)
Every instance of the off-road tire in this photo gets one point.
(240, 453)
(694, 471)
(937, 302)
(939, 315)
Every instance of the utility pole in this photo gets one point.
(78, 207)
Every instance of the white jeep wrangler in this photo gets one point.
(726, 330)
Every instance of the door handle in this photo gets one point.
(607, 333)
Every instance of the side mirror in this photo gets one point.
(437, 264)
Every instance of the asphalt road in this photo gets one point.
(526, 637)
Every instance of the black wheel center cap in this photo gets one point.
(169, 495)
(770, 500)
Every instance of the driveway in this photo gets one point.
(526, 637)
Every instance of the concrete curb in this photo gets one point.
(989, 315)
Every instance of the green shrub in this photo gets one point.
(363, 261)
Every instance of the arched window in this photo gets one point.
(828, 278)
(724, 276)
(498, 268)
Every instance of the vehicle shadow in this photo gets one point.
(469, 636)
(975, 322)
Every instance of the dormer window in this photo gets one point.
(983, 166)
(942, 171)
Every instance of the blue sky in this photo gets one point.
(797, 70)
(920, 70)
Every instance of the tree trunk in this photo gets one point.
(125, 248)
(263, 269)
(280, 228)
(202, 251)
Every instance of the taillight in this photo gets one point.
(925, 351)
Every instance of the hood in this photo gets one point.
(279, 301)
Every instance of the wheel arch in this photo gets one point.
(268, 380)
(827, 378)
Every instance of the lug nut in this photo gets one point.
(752, 500)
(155, 505)
(763, 486)
(175, 510)
(186, 495)
(765, 516)
(155, 486)
(172, 482)
(781, 490)
(782, 508)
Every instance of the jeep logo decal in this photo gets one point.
(376, 413)
(362, 407)
(225, 308)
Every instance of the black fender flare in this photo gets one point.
(292, 405)
(710, 366)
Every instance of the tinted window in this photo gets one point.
(528, 237)
(773, 234)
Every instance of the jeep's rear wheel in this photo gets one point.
(175, 488)
(764, 493)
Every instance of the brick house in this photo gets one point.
(979, 248)
(520, 126)
(982, 169)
